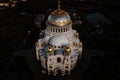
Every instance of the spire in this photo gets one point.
(58, 4)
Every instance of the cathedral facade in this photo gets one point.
(59, 46)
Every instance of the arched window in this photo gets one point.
(66, 67)
(50, 67)
(71, 61)
(64, 29)
(58, 30)
(67, 60)
(62, 46)
(55, 46)
(50, 59)
(77, 45)
(58, 60)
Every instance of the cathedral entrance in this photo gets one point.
(58, 71)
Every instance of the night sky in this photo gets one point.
(101, 55)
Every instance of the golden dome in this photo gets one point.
(37, 44)
(76, 34)
(80, 43)
(67, 49)
(59, 17)
(50, 49)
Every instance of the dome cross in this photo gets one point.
(58, 5)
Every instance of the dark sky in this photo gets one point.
(101, 54)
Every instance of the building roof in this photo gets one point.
(59, 17)
(58, 40)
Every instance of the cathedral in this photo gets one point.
(59, 48)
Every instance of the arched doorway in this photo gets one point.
(58, 71)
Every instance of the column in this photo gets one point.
(51, 28)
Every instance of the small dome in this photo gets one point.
(59, 18)
(58, 40)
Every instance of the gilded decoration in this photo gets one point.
(80, 43)
(59, 13)
(67, 49)
(59, 23)
(59, 17)
(50, 49)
